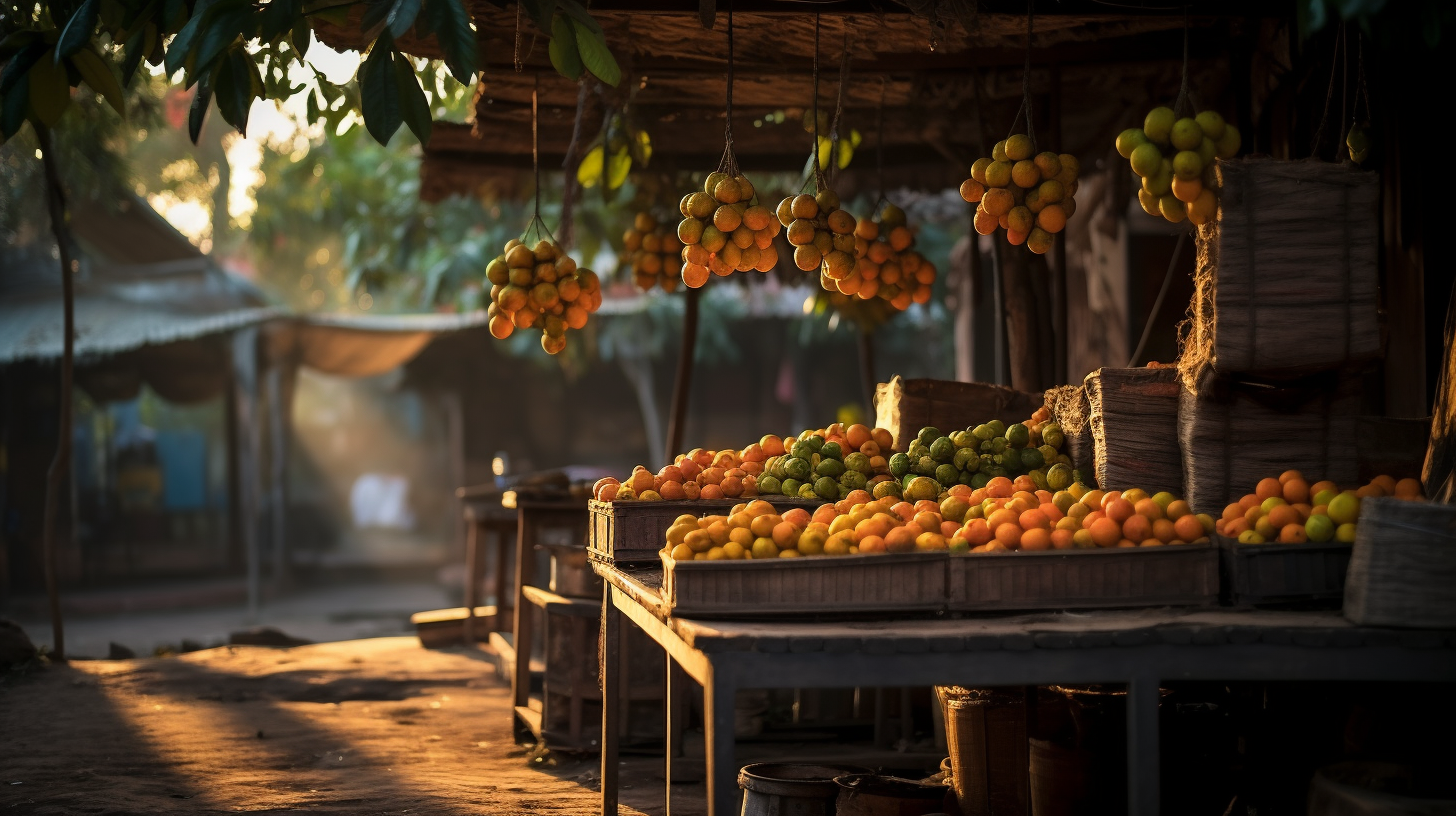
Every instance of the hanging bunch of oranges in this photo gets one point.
(540, 285)
(724, 230)
(1025, 193)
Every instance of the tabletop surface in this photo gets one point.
(1210, 626)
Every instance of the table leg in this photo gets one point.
(611, 641)
(1142, 747)
(670, 742)
(472, 582)
(521, 681)
(503, 546)
(722, 772)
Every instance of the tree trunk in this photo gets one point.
(60, 465)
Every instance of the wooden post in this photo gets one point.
(867, 370)
(682, 385)
(61, 464)
(998, 306)
(1020, 311)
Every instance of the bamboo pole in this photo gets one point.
(60, 465)
(682, 384)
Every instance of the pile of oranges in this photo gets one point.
(1290, 510)
(727, 474)
(1001, 517)
(890, 268)
(822, 235)
(724, 231)
(1026, 193)
(540, 286)
(651, 251)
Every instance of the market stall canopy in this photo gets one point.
(946, 94)
(149, 306)
(360, 345)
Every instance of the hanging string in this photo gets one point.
(1026, 83)
(1329, 94)
(880, 147)
(536, 224)
(729, 162)
(814, 151)
(1184, 100)
(839, 106)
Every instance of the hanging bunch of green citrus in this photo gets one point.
(651, 252)
(1175, 158)
(540, 285)
(1026, 193)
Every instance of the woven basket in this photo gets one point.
(1286, 280)
(1134, 419)
(1071, 410)
(1233, 434)
(1403, 566)
(985, 730)
(903, 406)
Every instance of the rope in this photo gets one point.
(729, 163)
(1182, 104)
(1025, 84)
(819, 182)
(1329, 94)
(536, 223)
(838, 105)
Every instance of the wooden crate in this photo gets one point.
(903, 407)
(1181, 575)
(632, 532)
(1263, 574)
(828, 585)
(1403, 565)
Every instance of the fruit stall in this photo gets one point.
(1261, 506)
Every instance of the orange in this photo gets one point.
(1387, 483)
(927, 506)
(883, 438)
(1093, 498)
(927, 520)
(1152, 542)
(799, 517)
(711, 491)
(691, 491)
(1062, 539)
(732, 486)
(1105, 532)
(784, 534)
(1370, 491)
(977, 532)
(772, 445)
(1231, 512)
(1137, 528)
(758, 508)
(1126, 543)
(1320, 487)
(1238, 525)
(1051, 511)
(1119, 509)
(872, 544)
(1091, 518)
(1293, 534)
(1290, 474)
(1282, 516)
(1253, 514)
(1296, 490)
(1001, 517)
(1025, 484)
(999, 488)
(1110, 496)
(763, 526)
(1149, 508)
(741, 536)
(1164, 530)
(857, 497)
(1009, 535)
(1187, 528)
(1036, 539)
(1268, 488)
(1409, 489)
(905, 510)
(672, 491)
(1178, 509)
(857, 435)
(948, 529)
(1251, 500)
(901, 539)
(824, 514)
(1034, 519)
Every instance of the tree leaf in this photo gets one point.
(13, 108)
(564, 55)
(78, 30)
(618, 167)
(19, 64)
(412, 102)
(579, 14)
(302, 37)
(198, 113)
(135, 50)
(379, 92)
(456, 39)
(50, 91)
(402, 16)
(589, 172)
(181, 46)
(595, 55)
(222, 28)
(542, 12)
(276, 19)
(97, 73)
(234, 88)
(16, 41)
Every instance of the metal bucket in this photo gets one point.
(875, 795)
(773, 789)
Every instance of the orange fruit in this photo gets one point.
(999, 488)
(1187, 528)
(1296, 489)
(1290, 474)
(1293, 534)
(1119, 510)
(1110, 496)
(977, 532)
(1034, 519)
(772, 445)
(1250, 500)
(799, 517)
(1062, 539)
(1000, 517)
(1051, 511)
(1409, 489)
(1036, 539)
(1178, 509)
(1253, 514)
(1282, 516)
(1232, 512)
(1164, 530)
(1370, 491)
(1268, 489)
(949, 529)
(1105, 532)
(1009, 535)
(901, 539)
(1387, 483)
(1320, 487)
(1126, 543)
(1138, 527)
(1149, 508)
(824, 514)
(1236, 526)
(1151, 542)
(1093, 499)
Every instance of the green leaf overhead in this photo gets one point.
(50, 90)
(595, 55)
(565, 57)
(450, 22)
(401, 17)
(379, 92)
(413, 105)
(97, 73)
(197, 114)
(77, 32)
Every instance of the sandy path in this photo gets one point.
(358, 727)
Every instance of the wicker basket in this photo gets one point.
(903, 406)
(1232, 434)
(1403, 566)
(985, 730)
(1287, 275)
(1134, 419)
(1071, 410)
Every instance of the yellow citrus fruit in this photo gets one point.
(1128, 141)
(1149, 202)
(998, 151)
(1146, 159)
(1172, 209)
(1187, 165)
(1203, 209)
(1161, 183)
(998, 174)
(1186, 134)
(1039, 241)
(1019, 147)
(978, 169)
(1211, 123)
(1158, 125)
(1186, 190)
(1049, 164)
(1345, 508)
(1228, 144)
(1024, 174)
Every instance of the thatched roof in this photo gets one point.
(1099, 61)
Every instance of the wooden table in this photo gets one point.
(1139, 648)
(484, 514)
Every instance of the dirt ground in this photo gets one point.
(358, 727)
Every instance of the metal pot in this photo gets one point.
(773, 789)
